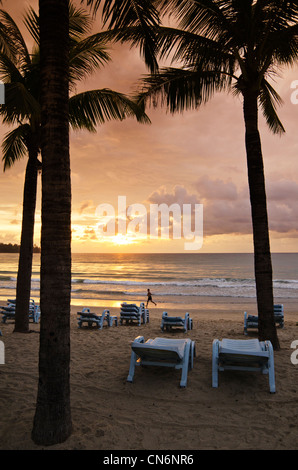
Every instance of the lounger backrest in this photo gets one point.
(129, 308)
(161, 354)
(242, 350)
(278, 309)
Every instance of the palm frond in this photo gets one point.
(15, 38)
(90, 108)
(269, 99)
(7, 46)
(87, 55)
(9, 71)
(14, 145)
(122, 14)
(19, 104)
(80, 22)
(182, 89)
(190, 48)
(31, 21)
(284, 45)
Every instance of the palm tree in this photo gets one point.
(230, 46)
(52, 419)
(219, 45)
(21, 72)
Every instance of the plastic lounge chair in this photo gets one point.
(177, 353)
(144, 313)
(169, 322)
(8, 311)
(251, 321)
(85, 316)
(131, 313)
(245, 355)
(34, 313)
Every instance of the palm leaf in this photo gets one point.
(31, 21)
(15, 38)
(88, 109)
(86, 56)
(122, 14)
(79, 22)
(269, 99)
(192, 49)
(9, 71)
(19, 104)
(14, 145)
(181, 89)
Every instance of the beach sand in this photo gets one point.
(153, 413)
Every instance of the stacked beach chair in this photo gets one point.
(85, 316)
(171, 322)
(131, 313)
(9, 310)
(251, 321)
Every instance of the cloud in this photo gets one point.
(216, 189)
(227, 209)
(87, 207)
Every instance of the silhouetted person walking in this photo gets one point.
(149, 295)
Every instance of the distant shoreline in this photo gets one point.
(10, 248)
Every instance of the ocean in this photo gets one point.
(175, 280)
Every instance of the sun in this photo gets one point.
(120, 239)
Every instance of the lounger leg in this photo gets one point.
(183, 381)
(186, 320)
(192, 354)
(245, 324)
(215, 346)
(271, 368)
(132, 367)
(133, 360)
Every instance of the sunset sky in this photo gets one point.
(195, 157)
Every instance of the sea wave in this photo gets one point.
(216, 283)
(203, 282)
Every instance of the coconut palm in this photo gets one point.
(52, 419)
(232, 46)
(237, 46)
(20, 71)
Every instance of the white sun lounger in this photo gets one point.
(169, 322)
(131, 313)
(251, 321)
(243, 355)
(9, 310)
(177, 353)
(85, 316)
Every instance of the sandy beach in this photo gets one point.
(153, 413)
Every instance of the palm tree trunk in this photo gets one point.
(52, 421)
(262, 255)
(26, 247)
